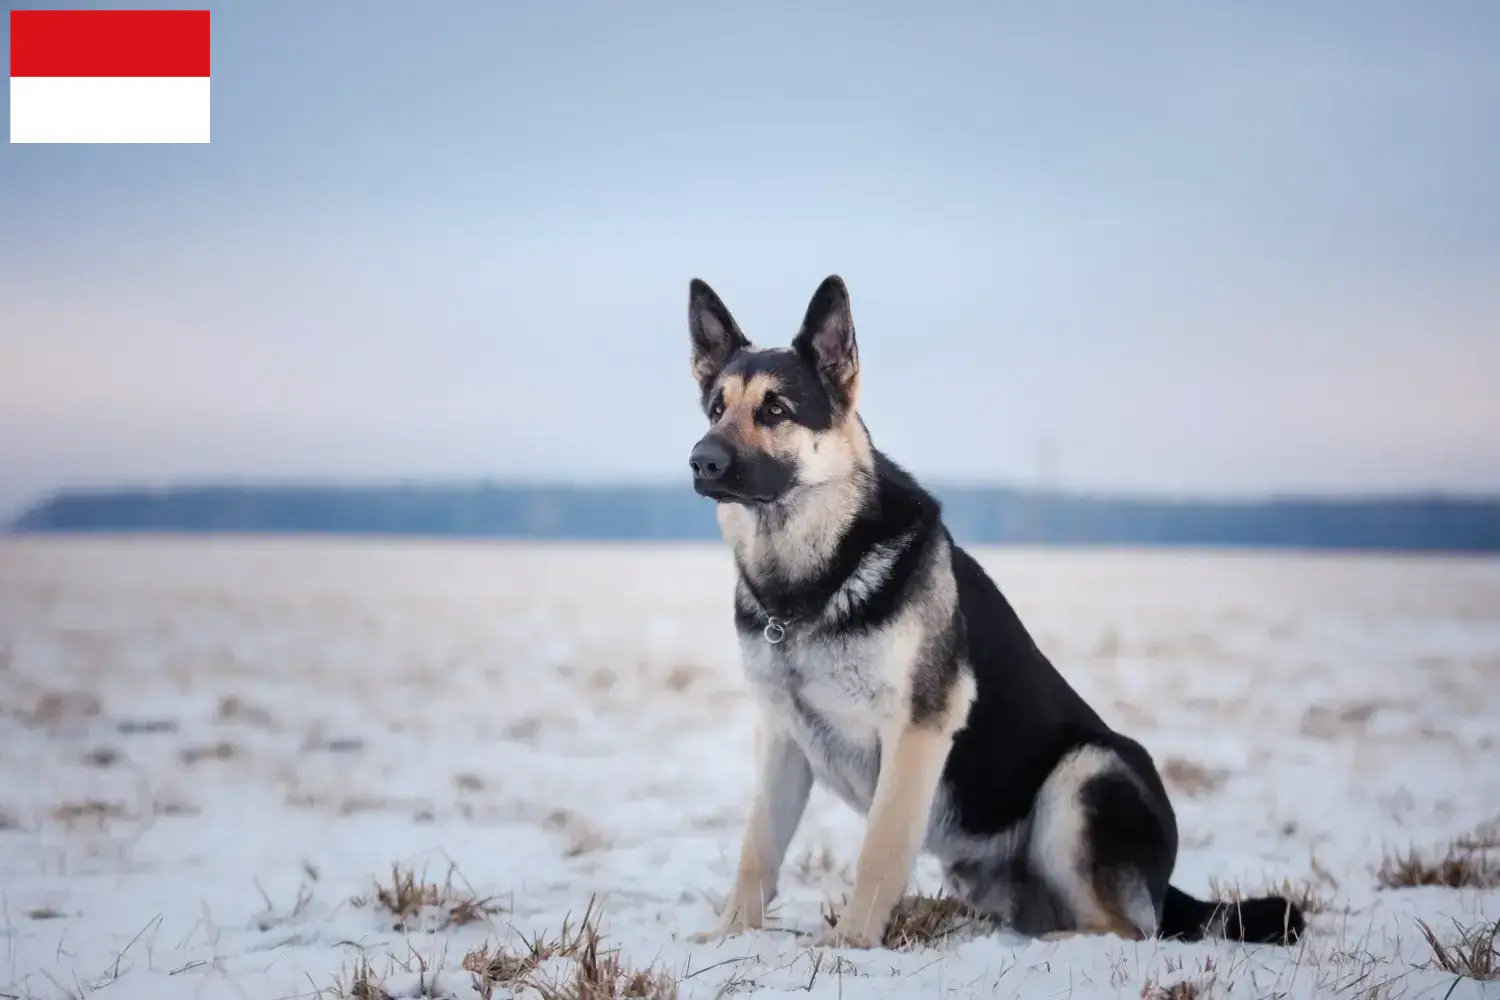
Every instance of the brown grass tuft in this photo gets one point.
(233, 708)
(45, 913)
(1313, 895)
(1474, 955)
(1191, 778)
(89, 809)
(211, 751)
(921, 921)
(1460, 867)
(409, 896)
(1485, 837)
(492, 967)
(173, 806)
(363, 984)
(63, 706)
(102, 757)
(1186, 989)
(596, 975)
(602, 975)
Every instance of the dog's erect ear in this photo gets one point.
(827, 341)
(715, 335)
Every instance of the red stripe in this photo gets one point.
(109, 43)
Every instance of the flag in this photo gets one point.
(109, 75)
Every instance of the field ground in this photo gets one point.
(267, 768)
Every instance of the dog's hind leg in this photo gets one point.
(1102, 847)
(781, 791)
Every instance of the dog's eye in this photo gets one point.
(717, 410)
(772, 410)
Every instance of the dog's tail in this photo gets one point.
(1265, 920)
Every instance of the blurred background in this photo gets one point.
(436, 257)
(1124, 275)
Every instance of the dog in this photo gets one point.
(888, 667)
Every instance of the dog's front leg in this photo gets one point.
(781, 793)
(911, 764)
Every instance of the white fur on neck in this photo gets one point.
(797, 540)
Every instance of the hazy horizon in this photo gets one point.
(1201, 251)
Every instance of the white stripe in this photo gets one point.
(109, 109)
(868, 577)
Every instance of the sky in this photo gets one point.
(1162, 247)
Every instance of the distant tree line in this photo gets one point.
(975, 514)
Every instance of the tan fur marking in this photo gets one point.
(1116, 925)
(955, 713)
(909, 773)
(741, 401)
(1061, 850)
(829, 464)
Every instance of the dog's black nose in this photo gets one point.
(710, 459)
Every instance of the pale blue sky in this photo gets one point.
(1203, 248)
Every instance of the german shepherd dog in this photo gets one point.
(889, 667)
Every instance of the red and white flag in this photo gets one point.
(109, 75)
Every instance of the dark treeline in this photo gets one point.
(976, 515)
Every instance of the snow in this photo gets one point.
(251, 732)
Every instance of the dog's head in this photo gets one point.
(779, 418)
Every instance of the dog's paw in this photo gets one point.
(732, 924)
(844, 936)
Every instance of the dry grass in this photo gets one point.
(270, 917)
(144, 727)
(597, 974)
(63, 706)
(212, 751)
(45, 913)
(102, 757)
(492, 967)
(1197, 988)
(409, 896)
(1461, 866)
(363, 984)
(1313, 894)
(174, 806)
(94, 810)
(1191, 778)
(233, 708)
(921, 921)
(1485, 837)
(1474, 955)
(603, 975)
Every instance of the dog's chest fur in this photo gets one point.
(833, 693)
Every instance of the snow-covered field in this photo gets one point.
(213, 751)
